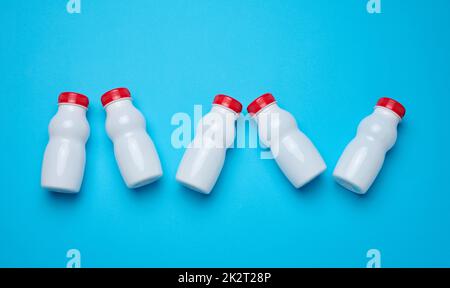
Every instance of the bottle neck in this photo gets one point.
(72, 108)
(388, 115)
(224, 111)
(118, 105)
(271, 108)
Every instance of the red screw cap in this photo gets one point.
(115, 94)
(73, 98)
(228, 102)
(259, 103)
(393, 105)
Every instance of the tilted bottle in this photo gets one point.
(364, 156)
(204, 158)
(134, 150)
(293, 151)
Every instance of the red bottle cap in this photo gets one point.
(392, 105)
(259, 103)
(73, 98)
(115, 94)
(228, 102)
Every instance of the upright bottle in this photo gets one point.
(294, 153)
(363, 157)
(135, 152)
(203, 160)
(65, 154)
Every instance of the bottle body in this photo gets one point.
(364, 156)
(65, 155)
(292, 150)
(204, 158)
(134, 150)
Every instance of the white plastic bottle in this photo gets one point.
(294, 153)
(65, 154)
(363, 157)
(135, 152)
(203, 160)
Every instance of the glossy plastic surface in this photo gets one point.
(65, 154)
(134, 150)
(293, 151)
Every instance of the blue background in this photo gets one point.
(327, 62)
